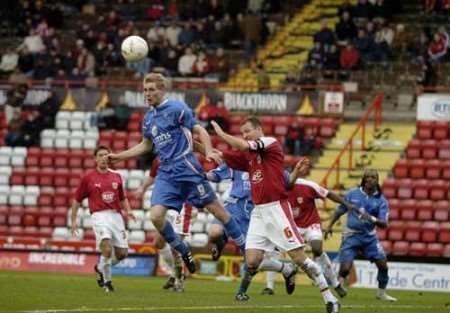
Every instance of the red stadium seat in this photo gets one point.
(29, 220)
(433, 169)
(387, 246)
(89, 234)
(45, 232)
(444, 233)
(440, 130)
(31, 231)
(390, 188)
(416, 168)
(59, 221)
(327, 128)
(395, 231)
(280, 129)
(444, 149)
(421, 189)
(442, 211)
(382, 233)
(62, 158)
(435, 249)
(413, 149)
(134, 126)
(45, 199)
(76, 158)
(430, 231)
(408, 209)
(446, 252)
(429, 149)
(394, 209)
(400, 248)
(61, 177)
(4, 230)
(46, 177)
(44, 221)
(417, 249)
(32, 160)
(438, 190)
(17, 177)
(412, 231)
(425, 210)
(32, 176)
(15, 219)
(424, 130)
(131, 163)
(47, 157)
(405, 189)
(16, 231)
(401, 168)
(445, 169)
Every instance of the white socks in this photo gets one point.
(315, 274)
(166, 254)
(270, 279)
(105, 267)
(324, 261)
(276, 266)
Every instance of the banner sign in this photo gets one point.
(83, 263)
(86, 99)
(334, 103)
(433, 107)
(406, 276)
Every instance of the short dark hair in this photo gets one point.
(256, 123)
(101, 148)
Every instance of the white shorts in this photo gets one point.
(109, 224)
(312, 232)
(272, 225)
(181, 222)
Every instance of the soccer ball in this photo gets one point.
(134, 48)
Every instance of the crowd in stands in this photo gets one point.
(364, 37)
(186, 38)
(432, 6)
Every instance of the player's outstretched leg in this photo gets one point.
(287, 269)
(313, 271)
(383, 279)
(158, 214)
(231, 226)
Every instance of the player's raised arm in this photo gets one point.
(141, 148)
(233, 141)
(207, 147)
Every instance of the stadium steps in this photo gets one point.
(288, 48)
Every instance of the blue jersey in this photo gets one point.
(239, 202)
(241, 185)
(359, 236)
(375, 205)
(180, 177)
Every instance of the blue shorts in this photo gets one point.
(368, 245)
(240, 211)
(179, 182)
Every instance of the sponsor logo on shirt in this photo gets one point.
(154, 131)
(115, 185)
(257, 176)
(98, 185)
(108, 196)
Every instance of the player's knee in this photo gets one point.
(215, 232)
(120, 255)
(157, 220)
(106, 248)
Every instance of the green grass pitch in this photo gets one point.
(61, 293)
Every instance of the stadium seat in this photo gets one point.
(405, 189)
(445, 169)
(382, 233)
(421, 189)
(440, 130)
(63, 119)
(446, 252)
(433, 169)
(430, 231)
(424, 129)
(416, 168)
(425, 210)
(408, 209)
(444, 149)
(444, 233)
(429, 149)
(395, 231)
(401, 168)
(199, 240)
(390, 188)
(438, 190)
(61, 233)
(412, 231)
(394, 209)
(387, 246)
(417, 249)
(442, 211)
(413, 150)
(45, 232)
(48, 137)
(137, 236)
(5, 173)
(400, 248)
(15, 219)
(435, 250)
(31, 231)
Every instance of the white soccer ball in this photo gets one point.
(134, 48)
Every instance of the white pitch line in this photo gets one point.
(227, 307)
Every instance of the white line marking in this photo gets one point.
(227, 307)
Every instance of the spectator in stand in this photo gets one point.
(9, 62)
(437, 50)
(380, 11)
(325, 36)
(15, 98)
(316, 57)
(215, 9)
(170, 62)
(346, 6)
(201, 66)
(14, 136)
(25, 62)
(156, 10)
(217, 37)
(33, 42)
(86, 62)
(429, 5)
(332, 58)
(186, 63)
(172, 33)
(262, 78)
(364, 45)
(186, 36)
(444, 36)
(349, 59)
(428, 78)
(156, 33)
(296, 143)
(214, 112)
(290, 83)
(363, 10)
(220, 66)
(345, 29)
(251, 27)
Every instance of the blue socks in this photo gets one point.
(383, 278)
(173, 239)
(233, 230)
(246, 279)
